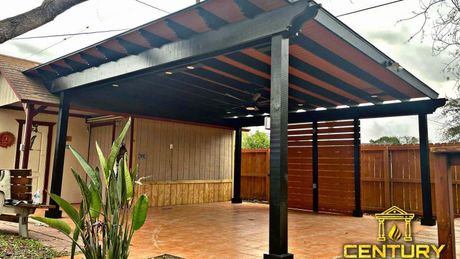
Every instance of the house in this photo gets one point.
(187, 162)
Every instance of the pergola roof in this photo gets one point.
(227, 43)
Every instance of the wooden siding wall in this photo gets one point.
(103, 136)
(390, 175)
(170, 151)
(7, 96)
(335, 166)
(169, 193)
(254, 174)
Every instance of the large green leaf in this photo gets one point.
(93, 175)
(83, 188)
(128, 182)
(68, 208)
(102, 162)
(117, 145)
(55, 223)
(140, 212)
(95, 201)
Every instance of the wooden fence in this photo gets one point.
(390, 175)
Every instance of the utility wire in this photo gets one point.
(368, 8)
(70, 35)
(67, 34)
(152, 6)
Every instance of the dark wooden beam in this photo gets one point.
(237, 167)
(29, 110)
(59, 153)
(278, 232)
(357, 212)
(428, 218)
(315, 166)
(229, 38)
(360, 112)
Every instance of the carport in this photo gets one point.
(233, 62)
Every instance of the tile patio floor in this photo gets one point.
(223, 230)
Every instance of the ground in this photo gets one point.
(223, 230)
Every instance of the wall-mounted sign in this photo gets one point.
(6, 139)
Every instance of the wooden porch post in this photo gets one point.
(29, 110)
(357, 212)
(278, 232)
(237, 167)
(59, 153)
(428, 218)
(444, 159)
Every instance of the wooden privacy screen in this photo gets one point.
(390, 175)
(335, 166)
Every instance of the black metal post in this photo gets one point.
(358, 212)
(428, 218)
(315, 166)
(59, 153)
(278, 232)
(237, 167)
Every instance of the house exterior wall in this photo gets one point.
(79, 140)
(182, 163)
(7, 95)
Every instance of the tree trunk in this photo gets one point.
(22, 23)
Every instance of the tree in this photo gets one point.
(386, 140)
(256, 140)
(393, 140)
(22, 23)
(451, 114)
(444, 19)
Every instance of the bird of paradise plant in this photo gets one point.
(106, 220)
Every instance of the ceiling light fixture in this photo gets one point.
(190, 67)
(168, 72)
(251, 108)
(115, 85)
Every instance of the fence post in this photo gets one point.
(387, 177)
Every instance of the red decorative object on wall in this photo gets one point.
(6, 139)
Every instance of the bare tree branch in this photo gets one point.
(22, 23)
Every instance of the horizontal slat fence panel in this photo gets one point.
(335, 166)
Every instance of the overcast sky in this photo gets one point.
(379, 26)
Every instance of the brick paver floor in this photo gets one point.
(223, 230)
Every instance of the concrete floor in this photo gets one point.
(223, 230)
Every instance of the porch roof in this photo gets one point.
(213, 61)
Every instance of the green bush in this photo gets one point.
(105, 223)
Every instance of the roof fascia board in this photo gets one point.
(347, 34)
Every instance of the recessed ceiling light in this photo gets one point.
(251, 108)
(300, 104)
(374, 96)
(190, 67)
(168, 72)
(115, 85)
(229, 112)
(249, 115)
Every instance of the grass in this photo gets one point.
(14, 246)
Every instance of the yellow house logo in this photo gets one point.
(395, 214)
(392, 244)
